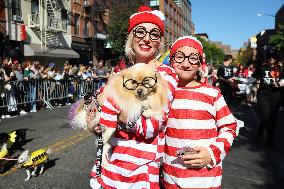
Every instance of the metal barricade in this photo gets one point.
(24, 92)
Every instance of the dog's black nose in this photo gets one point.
(140, 92)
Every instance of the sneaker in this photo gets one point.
(3, 117)
(7, 116)
(69, 95)
(23, 112)
(33, 111)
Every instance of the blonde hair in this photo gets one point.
(129, 51)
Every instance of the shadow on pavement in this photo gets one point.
(251, 164)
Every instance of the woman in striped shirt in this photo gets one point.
(199, 118)
(136, 152)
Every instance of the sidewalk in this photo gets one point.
(250, 165)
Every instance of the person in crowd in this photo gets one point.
(29, 76)
(271, 76)
(18, 71)
(241, 71)
(142, 145)
(102, 74)
(199, 121)
(226, 79)
(3, 90)
(121, 65)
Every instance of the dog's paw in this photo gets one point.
(148, 113)
(27, 179)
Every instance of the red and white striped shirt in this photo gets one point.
(199, 116)
(136, 152)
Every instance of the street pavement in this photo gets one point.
(247, 166)
(250, 164)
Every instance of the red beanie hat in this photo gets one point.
(188, 41)
(146, 15)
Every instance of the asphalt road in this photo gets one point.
(248, 165)
(73, 151)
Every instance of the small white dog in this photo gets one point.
(31, 162)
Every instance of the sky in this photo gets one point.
(233, 22)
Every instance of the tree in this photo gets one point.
(213, 54)
(120, 11)
(245, 56)
(277, 40)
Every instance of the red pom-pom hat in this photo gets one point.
(188, 41)
(147, 15)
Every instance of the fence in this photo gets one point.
(24, 92)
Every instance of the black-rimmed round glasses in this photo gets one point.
(193, 58)
(147, 82)
(141, 32)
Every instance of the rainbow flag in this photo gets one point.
(165, 58)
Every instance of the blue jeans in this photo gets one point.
(32, 95)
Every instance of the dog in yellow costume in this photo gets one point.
(31, 162)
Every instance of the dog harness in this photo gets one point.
(36, 158)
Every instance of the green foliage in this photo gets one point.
(277, 40)
(245, 56)
(120, 11)
(212, 52)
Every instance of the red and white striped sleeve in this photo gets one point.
(226, 127)
(170, 76)
(109, 114)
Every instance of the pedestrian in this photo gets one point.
(270, 75)
(226, 79)
(135, 159)
(199, 120)
(102, 74)
(121, 65)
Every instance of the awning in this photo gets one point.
(35, 50)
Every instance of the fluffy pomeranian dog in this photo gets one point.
(136, 90)
(32, 161)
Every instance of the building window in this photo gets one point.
(34, 6)
(86, 27)
(76, 24)
(166, 6)
(16, 7)
(154, 3)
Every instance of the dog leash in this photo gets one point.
(100, 144)
(9, 159)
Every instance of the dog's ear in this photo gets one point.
(23, 157)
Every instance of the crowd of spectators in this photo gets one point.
(12, 72)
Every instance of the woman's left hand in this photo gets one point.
(198, 160)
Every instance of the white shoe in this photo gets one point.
(3, 117)
(33, 111)
(7, 116)
(69, 95)
(23, 112)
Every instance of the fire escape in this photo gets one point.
(48, 25)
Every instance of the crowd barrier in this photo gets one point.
(23, 92)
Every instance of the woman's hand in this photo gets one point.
(198, 160)
(92, 128)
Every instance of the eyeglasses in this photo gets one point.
(147, 82)
(193, 58)
(141, 32)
